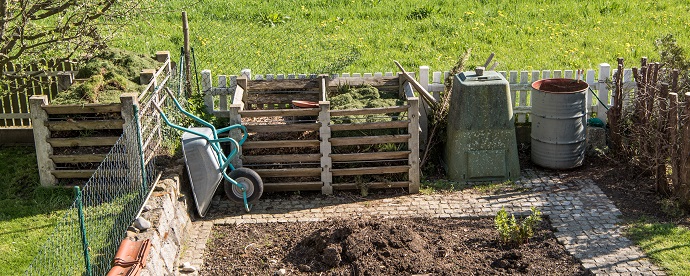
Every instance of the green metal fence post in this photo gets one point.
(141, 148)
(84, 240)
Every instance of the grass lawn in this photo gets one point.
(322, 36)
(28, 213)
(667, 244)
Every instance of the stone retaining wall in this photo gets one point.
(167, 210)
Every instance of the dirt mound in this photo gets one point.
(377, 247)
(383, 247)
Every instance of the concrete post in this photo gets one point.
(129, 101)
(41, 134)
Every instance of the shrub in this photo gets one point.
(512, 232)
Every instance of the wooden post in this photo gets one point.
(602, 88)
(41, 134)
(662, 142)
(187, 56)
(206, 86)
(235, 118)
(684, 189)
(424, 108)
(413, 143)
(325, 145)
(673, 136)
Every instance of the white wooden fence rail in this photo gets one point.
(520, 86)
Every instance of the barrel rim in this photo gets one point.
(581, 85)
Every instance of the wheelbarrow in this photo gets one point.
(207, 165)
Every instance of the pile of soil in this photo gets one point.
(383, 247)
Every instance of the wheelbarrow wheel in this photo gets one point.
(247, 178)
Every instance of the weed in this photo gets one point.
(430, 187)
(362, 185)
(273, 19)
(672, 207)
(511, 231)
(421, 13)
(495, 187)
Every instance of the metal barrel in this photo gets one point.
(559, 126)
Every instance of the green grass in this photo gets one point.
(28, 213)
(667, 244)
(366, 35)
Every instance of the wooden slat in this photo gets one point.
(85, 125)
(280, 144)
(83, 141)
(388, 81)
(280, 112)
(80, 109)
(73, 173)
(313, 84)
(293, 186)
(280, 98)
(375, 125)
(271, 85)
(371, 185)
(370, 156)
(78, 158)
(368, 140)
(285, 158)
(283, 128)
(289, 172)
(370, 170)
(367, 111)
(15, 116)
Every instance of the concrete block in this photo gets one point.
(596, 138)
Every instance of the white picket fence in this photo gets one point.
(520, 85)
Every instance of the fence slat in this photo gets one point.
(513, 93)
(604, 74)
(223, 102)
(521, 118)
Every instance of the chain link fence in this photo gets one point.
(87, 237)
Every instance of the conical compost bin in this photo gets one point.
(559, 124)
(481, 143)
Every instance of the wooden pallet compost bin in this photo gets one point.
(325, 147)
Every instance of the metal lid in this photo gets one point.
(480, 75)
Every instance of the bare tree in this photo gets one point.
(34, 29)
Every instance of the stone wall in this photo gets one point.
(167, 212)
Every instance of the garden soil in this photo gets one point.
(416, 246)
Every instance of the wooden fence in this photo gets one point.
(304, 149)
(72, 140)
(14, 106)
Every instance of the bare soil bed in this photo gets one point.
(383, 247)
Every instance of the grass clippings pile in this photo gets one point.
(106, 76)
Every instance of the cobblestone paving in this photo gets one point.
(585, 219)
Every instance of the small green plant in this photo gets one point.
(362, 185)
(421, 13)
(273, 19)
(512, 232)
